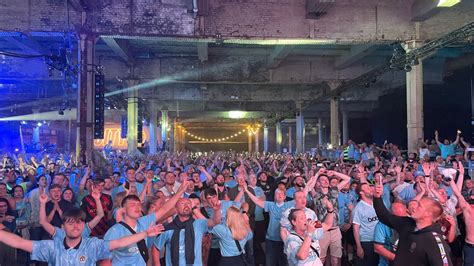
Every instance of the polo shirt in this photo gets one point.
(55, 252)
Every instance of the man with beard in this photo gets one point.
(183, 237)
(108, 185)
(73, 249)
(229, 179)
(221, 189)
(364, 222)
(267, 184)
(171, 185)
(298, 185)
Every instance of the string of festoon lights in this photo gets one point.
(251, 130)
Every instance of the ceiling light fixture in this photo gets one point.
(448, 3)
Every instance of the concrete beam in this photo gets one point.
(280, 52)
(423, 9)
(201, 106)
(356, 53)
(237, 93)
(121, 48)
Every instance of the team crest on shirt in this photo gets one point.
(82, 259)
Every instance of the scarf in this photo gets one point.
(176, 226)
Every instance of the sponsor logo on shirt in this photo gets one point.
(133, 249)
(372, 219)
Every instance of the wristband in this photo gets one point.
(331, 211)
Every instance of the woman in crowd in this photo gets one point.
(232, 237)
(69, 196)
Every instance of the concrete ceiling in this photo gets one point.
(205, 74)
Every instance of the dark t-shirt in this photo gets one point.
(63, 205)
(89, 207)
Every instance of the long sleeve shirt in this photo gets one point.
(416, 247)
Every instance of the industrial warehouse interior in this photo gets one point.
(237, 132)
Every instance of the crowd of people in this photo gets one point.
(357, 204)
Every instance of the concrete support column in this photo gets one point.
(176, 138)
(299, 133)
(320, 132)
(250, 141)
(85, 100)
(183, 140)
(257, 140)
(414, 101)
(36, 135)
(164, 129)
(153, 126)
(290, 142)
(132, 118)
(345, 127)
(36, 130)
(265, 138)
(335, 130)
(278, 136)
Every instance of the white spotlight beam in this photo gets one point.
(46, 116)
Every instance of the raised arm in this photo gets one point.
(258, 165)
(328, 221)
(458, 135)
(100, 210)
(345, 179)
(153, 230)
(461, 201)
(460, 181)
(383, 214)
(15, 241)
(43, 221)
(209, 179)
(260, 203)
(437, 138)
(303, 251)
(217, 217)
(170, 204)
(86, 176)
(145, 190)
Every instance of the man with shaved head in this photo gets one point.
(421, 241)
(183, 237)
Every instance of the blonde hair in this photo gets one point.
(237, 224)
(118, 199)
